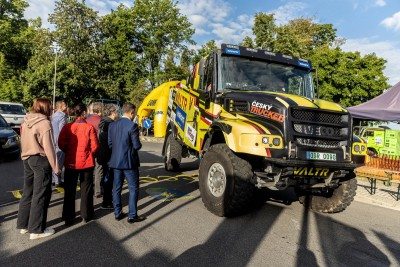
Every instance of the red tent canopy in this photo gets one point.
(384, 107)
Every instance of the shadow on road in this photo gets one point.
(233, 242)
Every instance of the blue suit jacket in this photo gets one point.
(124, 142)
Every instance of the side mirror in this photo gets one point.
(201, 67)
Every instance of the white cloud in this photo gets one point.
(390, 51)
(200, 31)
(392, 22)
(380, 3)
(40, 8)
(289, 11)
(212, 10)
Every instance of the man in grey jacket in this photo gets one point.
(58, 120)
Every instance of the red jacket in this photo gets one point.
(78, 140)
(94, 121)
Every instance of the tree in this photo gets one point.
(16, 47)
(204, 50)
(159, 27)
(348, 78)
(78, 38)
(265, 31)
(248, 42)
(121, 67)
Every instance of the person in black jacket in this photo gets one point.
(103, 154)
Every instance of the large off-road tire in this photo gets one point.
(336, 201)
(173, 154)
(224, 181)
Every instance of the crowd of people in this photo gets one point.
(99, 150)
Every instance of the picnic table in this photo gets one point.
(385, 168)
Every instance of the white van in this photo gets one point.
(13, 113)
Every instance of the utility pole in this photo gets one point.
(55, 78)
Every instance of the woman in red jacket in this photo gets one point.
(78, 140)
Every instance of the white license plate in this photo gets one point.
(321, 156)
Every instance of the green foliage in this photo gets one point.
(139, 91)
(204, 50)
(160, 27)
(78, 38)
(16, 47)
(264, 30)
(248, 42)
(348, 78)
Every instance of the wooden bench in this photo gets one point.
(384, 175)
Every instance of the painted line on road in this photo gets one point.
(17, 194)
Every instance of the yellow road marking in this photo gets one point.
(142, 180)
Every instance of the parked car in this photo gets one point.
(13, 113)
(9, 141)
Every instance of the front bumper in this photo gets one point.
(322, 164)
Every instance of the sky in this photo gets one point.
(369, 26)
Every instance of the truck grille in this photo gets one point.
(315, 128)
(3, 141)
(312, 116)
(318, 143)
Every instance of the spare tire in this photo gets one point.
(335, 201)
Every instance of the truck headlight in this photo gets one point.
(357, 148)
(276, 141)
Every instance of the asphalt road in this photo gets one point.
(179, 231)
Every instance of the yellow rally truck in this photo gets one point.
(252, 118)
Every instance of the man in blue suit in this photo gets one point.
(124, 142)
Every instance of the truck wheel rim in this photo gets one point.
(216, 180)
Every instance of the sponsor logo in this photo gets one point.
(181, 100)
(180, 118)
(286, 56)
(304, 64)
(159, 112)
(252, 50)
(311, 171)
(191, 134)
(232, 51)
(315, 130)
(270, 53)
(265, 111)
(232, 46)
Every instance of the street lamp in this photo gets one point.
(55, 78)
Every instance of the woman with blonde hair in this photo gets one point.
(39, 158)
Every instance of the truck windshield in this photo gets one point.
(236, 73)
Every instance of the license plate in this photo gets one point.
(321, 156)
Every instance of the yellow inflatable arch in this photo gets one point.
(157, 101)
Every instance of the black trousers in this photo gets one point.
(86, 183)
(32, 214)
(107, 181)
